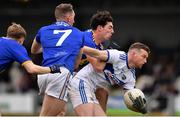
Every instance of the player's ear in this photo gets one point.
(133, 52)
(67, 18)
(99, 27)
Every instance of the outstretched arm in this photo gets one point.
(99, 54)
(97, 64)
(36, 69)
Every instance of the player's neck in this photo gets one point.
(130, 64)
(11, 38)
(64, 21)
(96, 38)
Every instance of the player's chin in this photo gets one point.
(140, 66)
(108, 38)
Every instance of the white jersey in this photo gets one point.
(84, 83)
(116, 73)
(120, 74)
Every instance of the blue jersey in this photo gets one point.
(90, 42)
(61, 44)
(10, 51)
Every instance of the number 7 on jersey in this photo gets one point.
(66, 33)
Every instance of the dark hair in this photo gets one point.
(100, 18)
(62, 9)
(16, 31)
(139, 45)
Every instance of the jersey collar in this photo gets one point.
(127, 61)
(62, 23)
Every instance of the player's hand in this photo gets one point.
(139, 104)
(55, 69)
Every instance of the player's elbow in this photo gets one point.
(31, 71)
(36, 50)
(33, 51)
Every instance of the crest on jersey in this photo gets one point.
(123, 77)
(109, 76)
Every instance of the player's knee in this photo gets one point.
(62, 113)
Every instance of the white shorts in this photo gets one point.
(81, 92)
(55, 84)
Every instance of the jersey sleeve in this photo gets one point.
(115, 56)
(83, 40)
(38, 36)
(19, 53)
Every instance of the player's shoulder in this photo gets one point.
(122, 52)
(87, 32)
(76, 29)
(120, 55)
(9, 40)
(45, 27)
(117, 51)
(10, 43)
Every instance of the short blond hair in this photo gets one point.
(16, 31)
(62, 9)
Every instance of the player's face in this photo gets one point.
(140, 58)
(107, 31)
(71, 18)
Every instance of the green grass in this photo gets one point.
(178, 113)
(121, 112)
(126, 112)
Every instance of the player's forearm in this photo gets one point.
(98, 65)
(41, 70)
(35, 69)
(99, 54)
(91, 52)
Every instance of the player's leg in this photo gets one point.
(63, 111)
(102, 97)
(52, 106)
(83, 98)
(89, 109)
(55, 88)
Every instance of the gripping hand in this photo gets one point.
(139, 104)
(55, 69)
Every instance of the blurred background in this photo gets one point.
(153, 22)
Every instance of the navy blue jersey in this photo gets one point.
(61, 44)
(10, 51)
(90, 42)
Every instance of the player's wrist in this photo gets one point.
(55, 69)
